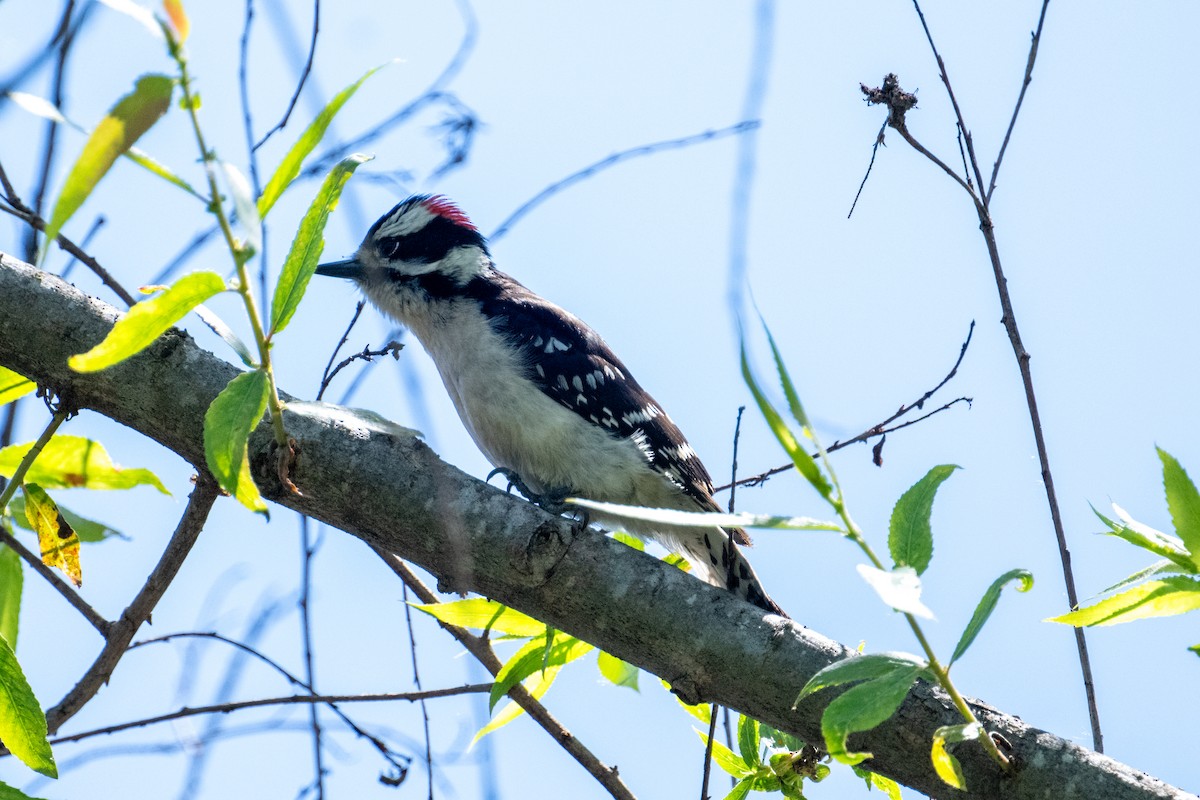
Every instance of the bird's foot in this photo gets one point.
(551, 501)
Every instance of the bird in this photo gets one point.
(545, 399)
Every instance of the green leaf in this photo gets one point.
(481, 614)
(859, 668)
(1147, 538)
(87, 530)
(1184, 502)
(11, 583)
(944, 763)
(630, 540)
(1164, 567)
(885, 785)
(9, 793)
(1195, 649)
(1161, 598)
(780, 738)
(748, 740)
(910, 537)
(243, 203)
(618, 672)
(740, 789)
(301, 261)
(987, 604)
(125, 123)
(22, 724)
(803, 462)
(536, 685)
(147, 320)
(75, 462)
(289, 168)
(726, 759)
(701, 711)
(533, 657)
(13, 386)
(234, 413)
(863, 707)
(218, 326)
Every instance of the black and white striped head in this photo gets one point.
(424, 246)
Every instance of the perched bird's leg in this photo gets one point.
(551, 501)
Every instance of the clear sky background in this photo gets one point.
(1095, 215)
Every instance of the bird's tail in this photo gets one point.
(722, 563)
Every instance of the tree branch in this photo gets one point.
(383, 485)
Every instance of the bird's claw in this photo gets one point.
(551, 501)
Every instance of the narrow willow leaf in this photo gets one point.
(910, 536)
(630, 540)
(481, 614)
(40, 107)
(701, 711)
(1164, 567)
(803, 462)
(789, 389)
(1161, 598)
(75, 462)
(618, 672)
(1147, 538)
(156, 167)
(139, 13)
(899, 588)
(859, 668)
(987, 604)
(706, 519)
(132, 116)
(863, 707)
(13, 386)
(725, 758)
(22, 724)
(9, 793)
(740, 789)
(88, 530)
(1184, 502)
(537, 685)
(885, 785)
(234, 413)
(147, 320)
(218, 326)
(59, 544)
(301, 261)
(533, 657)
(748, 740)
(944, 763)
(11, 583)
(289, 168)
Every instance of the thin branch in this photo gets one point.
(19, 210)
(375, 741)
(1033, 49)
(874, 151)
(481, 649)
(312, 50)
(307, 551)
(412, 645)
(225, 708)
(61, 586)
(708, 749)
(879, 428)
(326, 377)
(612, 161)
(121, 632)
(1009, 320)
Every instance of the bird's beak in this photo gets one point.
(350, 268)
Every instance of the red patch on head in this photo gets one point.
(444, 207)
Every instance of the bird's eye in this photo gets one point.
(389, 248)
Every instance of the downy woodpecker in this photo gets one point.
(539, 391)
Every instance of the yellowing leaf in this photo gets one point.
(125, 123)
(60, 545)
(179, 19)
(1161, 598)
(536, 685)
(147, 320)
(68, 462)
(481, 614)
(13, 386)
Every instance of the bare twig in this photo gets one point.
(225, 708)
(1033, 49)
(708, 748)
(874, 151)
(312, 50)
(19, 210)
(612, 161)
(121, 632)
(314, 720)
(880, 428)
(412, 645)
(70, 595)
(392, 349)
(481, 649)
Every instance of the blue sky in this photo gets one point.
(1094, 214)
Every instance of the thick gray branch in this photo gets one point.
(386, 487)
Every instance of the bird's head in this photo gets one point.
(425, 245)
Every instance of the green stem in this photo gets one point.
(18, 476)
(260, 338)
